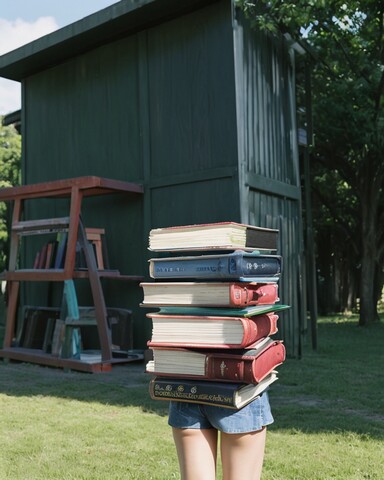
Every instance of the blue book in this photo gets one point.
(238, 265)
(60, 250)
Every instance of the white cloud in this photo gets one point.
(14, 34)
(10, 96)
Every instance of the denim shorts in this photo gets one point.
(251, 418)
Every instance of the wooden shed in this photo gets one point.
(184, 98)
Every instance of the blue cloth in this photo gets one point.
(251, 418)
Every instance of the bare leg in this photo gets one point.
(197, 452)
(242, 455)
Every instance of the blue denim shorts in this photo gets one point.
(251, 418)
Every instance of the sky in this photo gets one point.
(22, 21)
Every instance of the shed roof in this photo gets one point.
(118, 20)
(13, 118)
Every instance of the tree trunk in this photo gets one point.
(368, 302)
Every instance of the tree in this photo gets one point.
(10, 158)
(345, 41)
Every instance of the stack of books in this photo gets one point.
(211, 337)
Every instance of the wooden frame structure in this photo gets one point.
(75, 189)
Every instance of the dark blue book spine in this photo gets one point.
(227, 266)
(216, 393)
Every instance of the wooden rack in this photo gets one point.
(75, 189)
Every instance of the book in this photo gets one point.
(221, 235)
(49, 253)
(246, 366)
(210, 332)
(221, 394)
(36, 260)
(53, 254)
(225, 294)
(43, 256)
(222, 311)
(61, 249)
(237, 265)
(58, 337)
(47, 342)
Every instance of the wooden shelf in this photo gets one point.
(41, 226)
(63, 188)
(111, 274)
(58, 275)
(74, 189)
(32, 355)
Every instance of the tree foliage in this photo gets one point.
(344, 42)
(10, 158)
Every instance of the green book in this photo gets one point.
(223, 312)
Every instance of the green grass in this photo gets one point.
(328, 409)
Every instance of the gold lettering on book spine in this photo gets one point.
(179, 393)
(202, 397)
(223, 367)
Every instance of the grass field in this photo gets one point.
(328, 409)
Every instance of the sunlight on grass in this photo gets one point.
(59, 438)
(329, 419)
(294, 454)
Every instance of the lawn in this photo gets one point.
(328, 408)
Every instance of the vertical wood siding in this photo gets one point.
(268, 162)
(83, 118)
(197, 109)
(192, 121)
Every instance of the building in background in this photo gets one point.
(184, 98)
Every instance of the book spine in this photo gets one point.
(43, 256)
(226, 266)
(61, 249)
(48, 257)
(253, 266)
(37, 260)
(247, 295)
(251, 369)
(194, 392)
(262, 326)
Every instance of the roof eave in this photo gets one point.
(118, 20)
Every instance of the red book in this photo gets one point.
(192, 331)
(43, 256)
(246, 366)
(215, 294)
(36, 261)
(48, 255)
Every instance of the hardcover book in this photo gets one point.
(246, 366)
(237, 265)
(222, 311)
(210, 332)
(224, 294)
(43, 256)
(221, 236)
(61, 249)
(228, 395)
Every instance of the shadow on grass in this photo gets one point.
(126, 385)
(338, 387)
(335, 389)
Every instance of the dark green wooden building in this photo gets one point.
(184, 98)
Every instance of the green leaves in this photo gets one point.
(10, 156)
(10, 167)
(344, 42)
